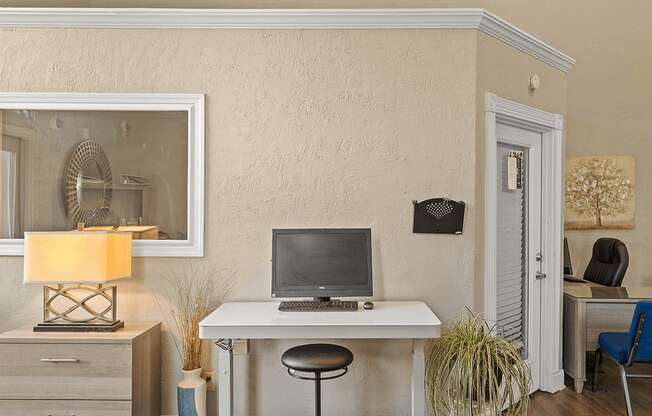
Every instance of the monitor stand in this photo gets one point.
(322, 298)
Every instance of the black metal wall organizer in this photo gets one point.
(438, 216)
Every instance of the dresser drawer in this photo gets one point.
(64, 408)
(65, 371)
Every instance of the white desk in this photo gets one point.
(263, 320)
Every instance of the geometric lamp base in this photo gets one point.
(79, 308)
(71, 327)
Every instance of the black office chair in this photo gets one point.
(317, 359)
(608, 263)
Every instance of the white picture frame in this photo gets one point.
(193, 104)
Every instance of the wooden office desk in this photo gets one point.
(590, 310)
(263, 320)
(570, 284)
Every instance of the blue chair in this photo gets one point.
(628, 348)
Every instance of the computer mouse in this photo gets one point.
(368, 305)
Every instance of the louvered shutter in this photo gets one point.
(512, 251)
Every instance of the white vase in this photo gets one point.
(191, 394)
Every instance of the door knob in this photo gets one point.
(540, 276)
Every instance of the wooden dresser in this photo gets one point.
(81, 374)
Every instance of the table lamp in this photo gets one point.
(73, 266)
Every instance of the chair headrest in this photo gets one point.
(604, 249)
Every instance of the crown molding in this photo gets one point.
(504, 31)
(426, 18)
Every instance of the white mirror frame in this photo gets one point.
(193, 104)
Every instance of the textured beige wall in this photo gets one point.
(609, 106)
(609, 98)
(609, 93)
(607, 112)
(336, 128)
(505, 73)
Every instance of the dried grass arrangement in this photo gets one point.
(194, 292)
(472, 372)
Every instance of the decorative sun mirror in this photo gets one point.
(123, 162)
(88, 185)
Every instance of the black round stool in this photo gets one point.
(317, 359)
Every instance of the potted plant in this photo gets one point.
(472, 372)
(194, 293)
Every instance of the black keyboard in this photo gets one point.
(571, 278)
(318, 305)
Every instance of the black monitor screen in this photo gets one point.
(320, 263)
(568, 267)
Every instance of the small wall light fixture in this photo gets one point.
(534, 82)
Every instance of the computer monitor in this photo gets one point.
(568, 267)
(321, 263)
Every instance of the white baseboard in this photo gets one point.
(557, 383)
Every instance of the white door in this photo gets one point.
(518, 262)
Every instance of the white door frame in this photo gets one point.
(501, 110)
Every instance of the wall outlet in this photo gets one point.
(211, 384)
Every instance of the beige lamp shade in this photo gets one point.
(76, 257)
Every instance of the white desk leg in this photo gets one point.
(418, 378)
(225, 377)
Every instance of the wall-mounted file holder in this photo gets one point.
(438, 216)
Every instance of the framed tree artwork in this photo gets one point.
(600, 192)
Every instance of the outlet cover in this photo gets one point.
(209, 376)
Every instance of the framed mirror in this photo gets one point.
(127, 162)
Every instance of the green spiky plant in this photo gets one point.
(471, 372)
